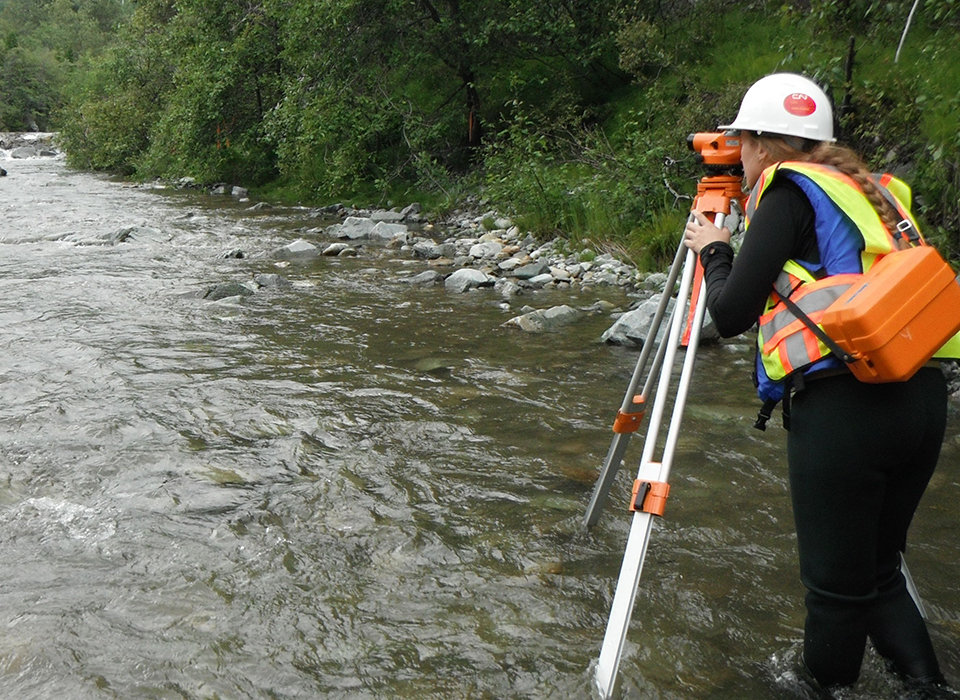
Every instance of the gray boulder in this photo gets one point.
(354, 227)
(545, 320)
(385, 230)
(530, 271)
(466, 279)
(298, 250)
(24, 152)
(228, 289)
(269, 280)
(632, 327)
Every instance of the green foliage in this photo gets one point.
(570, 115)
(566, 176)
(28, 89)
(114, 101)
(44, 44)
(943, 12)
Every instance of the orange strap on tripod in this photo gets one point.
(649, 496)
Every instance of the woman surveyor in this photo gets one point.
(860, 455)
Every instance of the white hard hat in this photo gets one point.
(787, 104)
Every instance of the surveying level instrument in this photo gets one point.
(719, 153)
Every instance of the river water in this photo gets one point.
(353, 488)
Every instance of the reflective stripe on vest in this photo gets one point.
(786, 343)
(844, 192)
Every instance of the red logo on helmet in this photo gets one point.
(799, 104)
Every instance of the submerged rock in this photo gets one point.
(227, 289)
(424, 278)
(545, 320)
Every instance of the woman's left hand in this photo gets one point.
(701, 232)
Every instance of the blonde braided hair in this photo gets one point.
(840, 157)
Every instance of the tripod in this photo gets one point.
(715, 194)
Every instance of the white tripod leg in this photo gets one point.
(618, 446)
(640, 529)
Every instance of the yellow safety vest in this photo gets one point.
(786, 344)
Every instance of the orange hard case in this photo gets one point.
(897, 316)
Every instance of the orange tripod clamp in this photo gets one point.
(649, 496)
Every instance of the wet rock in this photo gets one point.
(270, 280)
(545, 320)
(227, 289)
(601, 306)
(527, 272)
(298, 250)
(466, 279)
(540, 280)
(137, 234)
(603, 277)
(632, 327)
(236, 253)
(655, 281)
(488, 249)
(353, 227)
(335, 249)
(508, 289)
(424, 278)
(24, 152)
(426, 249)
(386, 230)
(433, 251)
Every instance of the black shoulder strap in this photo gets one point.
(818, 331)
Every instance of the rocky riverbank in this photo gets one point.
(19, 145)
(465, 251)
(470, 251)
(486, 251)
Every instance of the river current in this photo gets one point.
(351, 488)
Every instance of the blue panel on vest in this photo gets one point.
(838, 238)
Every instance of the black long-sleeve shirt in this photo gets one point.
(782, 228)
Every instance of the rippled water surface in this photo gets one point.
(354, 488)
